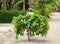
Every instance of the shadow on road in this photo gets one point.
(34, 41)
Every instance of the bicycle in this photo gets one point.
(30, 34)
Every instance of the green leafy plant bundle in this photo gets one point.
(36, 23)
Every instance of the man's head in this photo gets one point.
(30, 9)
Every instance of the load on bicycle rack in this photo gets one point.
(35, 24)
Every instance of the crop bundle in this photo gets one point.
(36, 23)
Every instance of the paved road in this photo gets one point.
(53, 36)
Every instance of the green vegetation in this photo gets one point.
(37, 23)
(43, 7)
(58, 4)
(7, 15)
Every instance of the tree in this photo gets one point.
(0, 3)
(43, 7)
(12, 4)
(24, 5)
(4, 7)
(58, 3)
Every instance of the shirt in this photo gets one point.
(30, 13)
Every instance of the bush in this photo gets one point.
(7, 15)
